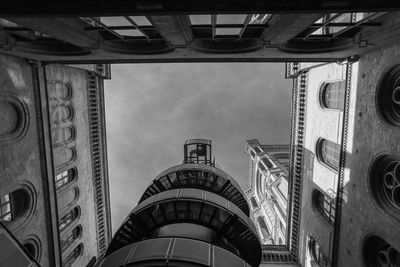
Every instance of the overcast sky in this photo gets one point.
(151, 109)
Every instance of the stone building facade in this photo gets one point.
(267, 192)
(338, 213)
(53, 167)
(348, 116)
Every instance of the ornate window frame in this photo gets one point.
(376, 251)
(320, 158)
(384, 183)
(322, 92)
(387, 99)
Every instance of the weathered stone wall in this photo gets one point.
(77, 81)
(361, 215)
(20, 165)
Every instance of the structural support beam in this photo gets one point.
(151, 7)
(174, 29)
(70, 30)
(284, 27)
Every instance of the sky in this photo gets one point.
(152, 109)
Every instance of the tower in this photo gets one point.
(192, 214)
(268, 190)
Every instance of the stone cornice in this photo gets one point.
(99, 161)
(289, 254)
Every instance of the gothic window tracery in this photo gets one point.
(384, 182)
(388, 96)
(377, 252)
(61, 113)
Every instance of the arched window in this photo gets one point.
(66, 198)
(71, 238)
(384, 183)
(63, 155)
(32, 246)
(65, 177)
(73, 255)
(92, 262)
(59, 90)
(324, 205)
(377, 252)
(68, 218)
(314, 249)
(259, 185)
(13, 205)
(328, 153)
(332, 95)
(388, 96)
(263, 227)
(61, 113)
(253, 202)
(61, 135)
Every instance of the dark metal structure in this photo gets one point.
(191, 215)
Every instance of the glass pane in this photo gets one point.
(259, 18)
(7, 218)
(59, 176)
(59, 183)
(131, 32)
(200, 19)
(317, 32)
(115, 21)
(141, 20)
(227, 31)
(5, 198)
(231, 19)
(5, 209)
(347, 17)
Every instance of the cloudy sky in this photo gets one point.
(151, 109)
